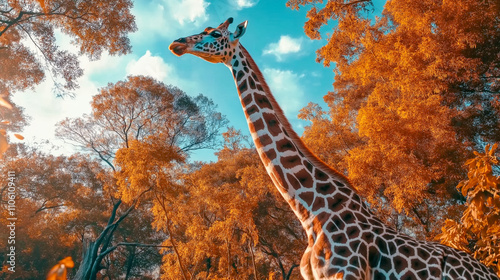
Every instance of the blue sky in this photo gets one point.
(274, 37)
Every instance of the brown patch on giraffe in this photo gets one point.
(243, 86)
(259, 124)
(308, 165)
(305, 179)
(293, 181)
(422, 253)
(340, 262)
(325, 188)
(265, 140)
(319, 203)
(251, 83)
(252, 109)
(400, 263)
(320, 175)
(290, 162)
(284, 145)
(417, 264)
(337, 202)
(409, 275)
(247, 100)
(263, 101)
(273, 125)
(434, 272)
(338, 183)
(334, 225)
(341, 250)
(323, 217)
(271, 155)
(239, 75)
(339, 238)
(386, 264)
(254, 76)
(406, 250)
(424, 274)
(307, 197)
(352, 232)
(373, 256)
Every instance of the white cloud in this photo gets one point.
(242, 4)
(287, 89)
(149, 65)
(188, 10)
(285, 46)
(46, 110)
(157, 68)
(168, 19)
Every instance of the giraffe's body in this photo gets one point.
(345, 240)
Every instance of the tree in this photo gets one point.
(28, 47)
(142, 130)
(29, 51)
(141, 107)
(415, 91)
(58, 200)
(478, 231)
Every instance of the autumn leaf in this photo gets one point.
(4, 145)
(59, 271)
(5, 103)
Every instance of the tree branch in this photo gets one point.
(47, 207)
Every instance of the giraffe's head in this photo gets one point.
(213, 44)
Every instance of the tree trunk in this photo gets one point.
(250, 247)
(85, 267)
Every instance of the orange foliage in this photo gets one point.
(479, 228)
(415, 90)
(144, 165)
(21, 67)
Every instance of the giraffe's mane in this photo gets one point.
(288, 128)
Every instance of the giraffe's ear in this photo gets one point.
(240, 30)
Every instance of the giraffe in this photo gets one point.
(345, 240)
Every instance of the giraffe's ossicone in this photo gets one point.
(345, 240)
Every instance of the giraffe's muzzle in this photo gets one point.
(178, 47)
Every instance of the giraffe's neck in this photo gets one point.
(314, 191)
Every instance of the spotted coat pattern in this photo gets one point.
(345, 240)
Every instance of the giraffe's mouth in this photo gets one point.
(178, 48)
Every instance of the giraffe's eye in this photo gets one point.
(216, 34)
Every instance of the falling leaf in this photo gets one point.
(5, 103)
(19, 136)
(59, 271)
(4, 145)
(68, 262)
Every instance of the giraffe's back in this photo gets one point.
(403, 257)
(378, 252)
